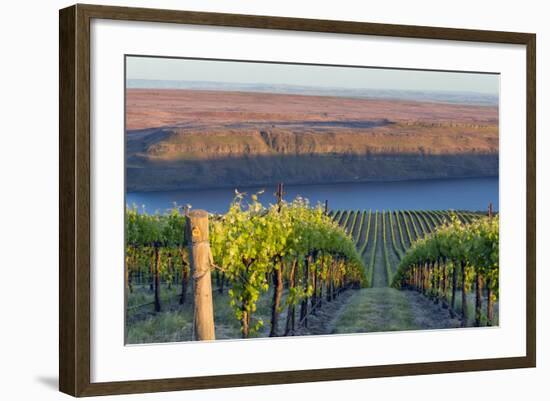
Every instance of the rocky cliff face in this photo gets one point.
(221, 142)
(194, 158)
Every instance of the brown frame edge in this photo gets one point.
(74, 199)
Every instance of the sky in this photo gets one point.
(237, 72)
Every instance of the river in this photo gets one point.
(461, 194)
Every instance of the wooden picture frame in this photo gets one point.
(75, 208)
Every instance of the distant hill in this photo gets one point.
(472, 98)
(183, 139)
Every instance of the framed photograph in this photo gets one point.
(249, 200)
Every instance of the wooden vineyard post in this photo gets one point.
(277, 295)
(152, 272)
(479, 288)
(184, 277)
(290, 320)
(454, 284)
(320, 297)
(304, 305)
(426, 278)
(445, 301)
(438, 280)
(156, 278)
(435, 283)
(280, 194)
(200, 257)
(488, 284)
(464, 296)
(127, 274)
(489, 304)
(423, 278)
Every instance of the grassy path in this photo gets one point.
(372, 310)
(387, 309)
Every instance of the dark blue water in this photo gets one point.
(462, 194)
